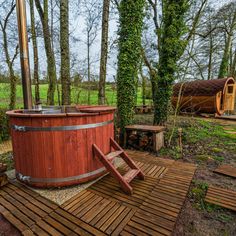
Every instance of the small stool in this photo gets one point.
(157, 134)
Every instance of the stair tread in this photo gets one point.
(110, 156)
(131, 174)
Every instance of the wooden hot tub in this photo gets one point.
(55, 149)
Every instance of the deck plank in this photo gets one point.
(221, 197)
(104, 209)
(226, 170)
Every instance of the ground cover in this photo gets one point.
(207, 143)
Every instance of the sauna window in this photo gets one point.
(230, 89)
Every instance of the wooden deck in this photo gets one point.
(32, 214)
(229, 117)
(221, 197)
(103, 209)
(226, 170)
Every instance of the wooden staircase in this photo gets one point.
(108, 162)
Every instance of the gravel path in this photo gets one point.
(61, 195)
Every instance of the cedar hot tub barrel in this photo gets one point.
(55, 149)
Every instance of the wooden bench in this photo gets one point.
(156, 131)
(3, 176)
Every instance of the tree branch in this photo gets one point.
(196, 20)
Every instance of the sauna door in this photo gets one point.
(230, 97)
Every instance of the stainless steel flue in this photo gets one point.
(24, 53)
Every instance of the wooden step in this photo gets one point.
(131, 174)
(110, 156)
(107, 162)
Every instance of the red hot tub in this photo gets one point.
(52, 150)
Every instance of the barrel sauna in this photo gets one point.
(54, 148)
(208, 96)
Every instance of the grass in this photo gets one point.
(197, 195)
(78, 95)
(202, 140)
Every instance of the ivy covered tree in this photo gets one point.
(172, 46)
(130, 32)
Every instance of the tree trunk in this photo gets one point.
(104, 51)
(210, 57)
(35, 52)
(13, 79)
(65, 52)
(51, 64)
(144, 90)
(144, 79)
(233, 67)
(88, 62)
(130, 33)
(172, 48)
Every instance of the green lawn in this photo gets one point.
(78, 95)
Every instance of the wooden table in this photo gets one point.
(157, 134)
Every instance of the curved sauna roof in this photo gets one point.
(202, 87)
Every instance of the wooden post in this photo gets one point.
(24, 53)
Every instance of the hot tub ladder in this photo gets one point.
(107, 161)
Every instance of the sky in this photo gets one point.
(79, 47)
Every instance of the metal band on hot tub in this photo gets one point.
(60, 128)
(29, 179)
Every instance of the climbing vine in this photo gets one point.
(130, 32)
(172, 46)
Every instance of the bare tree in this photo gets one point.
(4, 23)
(35, 51)
(51, 64)
(104, 52)
(92, 14)
(228, 13)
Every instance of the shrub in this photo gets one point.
(4, 127)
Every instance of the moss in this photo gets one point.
(197, 195)
(216, 150)
(219, 158)
(203, 158)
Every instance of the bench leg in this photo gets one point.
(158, 141)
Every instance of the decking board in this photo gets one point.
(32, 214)
(221, 197)
(103, 208)
(226, 170)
